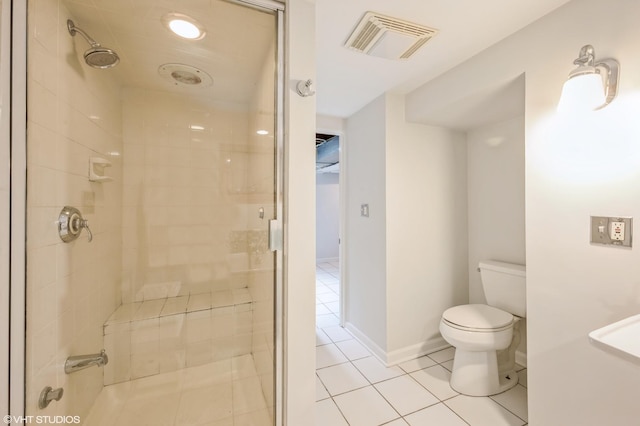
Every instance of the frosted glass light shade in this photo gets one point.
(183, 26)
(582, 93)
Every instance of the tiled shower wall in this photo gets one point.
(196, 175)
(74, 114)
(187, 196)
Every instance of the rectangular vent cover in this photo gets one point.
(388, 37)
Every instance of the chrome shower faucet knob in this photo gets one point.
(71, 223)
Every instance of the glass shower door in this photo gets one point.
(151, 180)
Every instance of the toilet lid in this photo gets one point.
(478, 317)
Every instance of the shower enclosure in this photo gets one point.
(152, 185)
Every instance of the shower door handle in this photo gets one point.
(275, 235)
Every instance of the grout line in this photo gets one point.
(339, 410)
(506, 408)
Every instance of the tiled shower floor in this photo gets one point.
(222, 393)
(354, 388)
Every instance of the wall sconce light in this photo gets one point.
(587, 88)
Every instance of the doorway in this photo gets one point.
(328, 227)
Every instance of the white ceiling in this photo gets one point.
(348, 80)
(233, 52)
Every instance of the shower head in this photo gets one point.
(98, 56)
(101, 57)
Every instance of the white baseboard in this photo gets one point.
(370, 344)
(399, 355)
(415, 351)
(409, 352)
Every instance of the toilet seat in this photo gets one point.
(478, 318)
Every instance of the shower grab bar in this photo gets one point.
(80, 362)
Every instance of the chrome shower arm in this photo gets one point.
(73, 30)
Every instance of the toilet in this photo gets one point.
(486, 336)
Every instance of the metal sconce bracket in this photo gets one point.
(587, 64)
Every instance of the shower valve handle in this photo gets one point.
(71, 223)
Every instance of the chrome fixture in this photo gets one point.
(49, 394)
(80, 362)
(71, 223)
(587, 88)
(304, 88)
(97, 56)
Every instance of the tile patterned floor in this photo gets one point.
(354, 388)
(221, 393)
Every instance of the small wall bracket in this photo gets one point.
(304, 88)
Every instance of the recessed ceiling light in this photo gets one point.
(262, 132)
(183, 26)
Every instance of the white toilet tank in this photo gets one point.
(504, 286)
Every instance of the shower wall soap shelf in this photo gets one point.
(97, 168)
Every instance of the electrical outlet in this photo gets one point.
(616, 231)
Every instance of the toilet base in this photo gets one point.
(476, 374)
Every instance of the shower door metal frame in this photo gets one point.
(279, 186)
(5, 205)
(18, 210)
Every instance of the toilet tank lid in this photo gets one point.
(478, 316)
(504, 267)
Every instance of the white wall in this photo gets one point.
(495, 184)
(408, 260)
(365, 290)
(329, 124)
(426, 203)
(299, 325)
(572, 287)
(327, 215)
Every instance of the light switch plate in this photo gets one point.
(601, 231)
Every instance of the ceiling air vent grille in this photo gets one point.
(365, 36)
(388, 37)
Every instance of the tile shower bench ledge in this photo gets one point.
(158, 308)
(163, 335)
